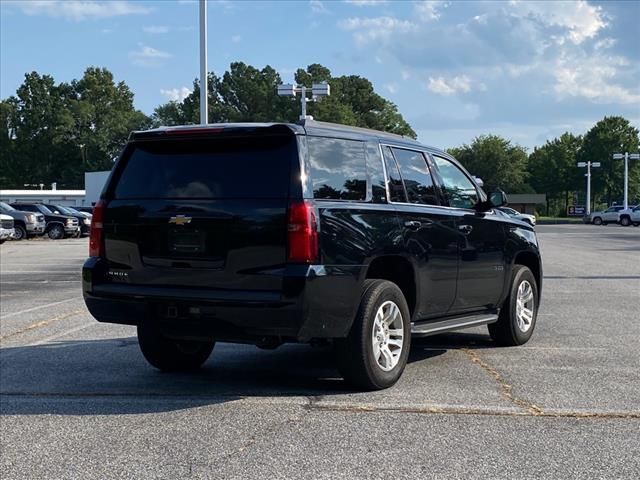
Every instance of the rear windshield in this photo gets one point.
(247, 167)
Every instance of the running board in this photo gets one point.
(423, 329)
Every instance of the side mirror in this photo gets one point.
(498, 198)
(479, 181)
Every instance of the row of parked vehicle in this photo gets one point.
(21, 221)
(616, 214)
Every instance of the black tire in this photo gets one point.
(19, 232)
(355, 354)
(625, 221)
(55, 232)
(2, 241)
(172, 355)
(597, 221)
(506, 331)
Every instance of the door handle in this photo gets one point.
(413, 224)
(465, 229)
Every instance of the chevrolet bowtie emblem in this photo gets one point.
(180, 220)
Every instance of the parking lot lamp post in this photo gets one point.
(318, 90)
(627, 156)
(204, 90)
(588, 175)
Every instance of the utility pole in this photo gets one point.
(627, 156)
(204, 109)
(588, 175)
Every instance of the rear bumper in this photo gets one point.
(316, 302)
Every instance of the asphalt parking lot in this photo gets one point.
(77, 400)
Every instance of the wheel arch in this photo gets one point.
(532, 262)
(399, 270)
(52, 223)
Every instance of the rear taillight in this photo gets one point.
(302, 233)
(96, 240)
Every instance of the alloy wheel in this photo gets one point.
(387, 337)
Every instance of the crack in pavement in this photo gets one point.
(473, 411)
(312, 405)
(507, 389)
(43, 323)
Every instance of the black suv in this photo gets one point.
(58, 226)
(84, 220)
(273, 233)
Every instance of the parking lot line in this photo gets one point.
(53, 304)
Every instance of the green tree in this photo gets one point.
(245, 94)
(55, 132)
(552, 169)
(497, 161)
(612, 135)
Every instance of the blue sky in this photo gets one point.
(525, 70)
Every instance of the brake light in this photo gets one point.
(302, 233)
(96, 240)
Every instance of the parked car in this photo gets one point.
(303, 232)
(635, 216)
(6, 228)
(58, 226)
(525, 217)
(84, 219)
(26, 224)
(610, 215)
(625, 217)
(85, 209)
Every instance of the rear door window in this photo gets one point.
(416, 176)
(396, 188)
(238, 167)
(338, 168)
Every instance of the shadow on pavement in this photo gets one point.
(110, 376)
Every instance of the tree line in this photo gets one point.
(54, 132)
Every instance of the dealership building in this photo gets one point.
(93, 182)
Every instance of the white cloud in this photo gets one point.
(593, 78)
(579, 19)
(368, 30)
(176, 94)
(366, 3)
(147, 56)
(82, 9)
(317, 6)
(429, 10)
(392, 88)
(459, 84)
(405, 75)
(236, 38)
(155, 29)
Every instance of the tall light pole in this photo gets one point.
(317, 90)
(204, 109)
(588, 175)
(627, 156)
